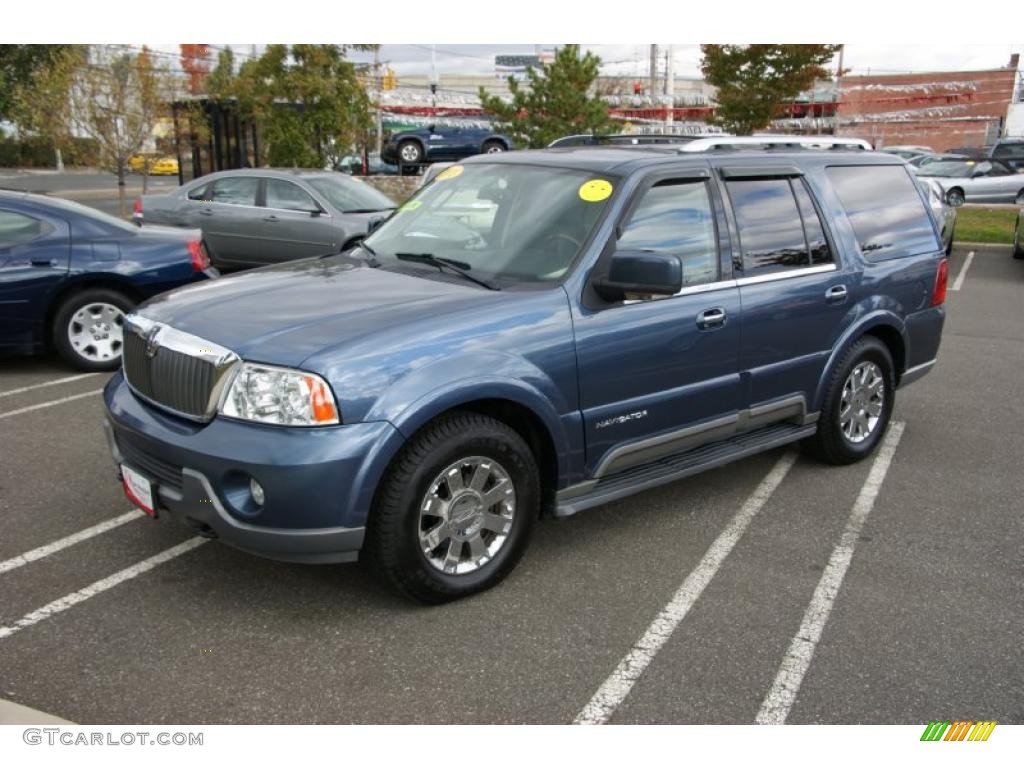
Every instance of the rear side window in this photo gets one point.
(17, 229)
(770, 226)
(888, 215)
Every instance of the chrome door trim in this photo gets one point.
(787, 274)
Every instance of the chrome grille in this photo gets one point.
(175, 370)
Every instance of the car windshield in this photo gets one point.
(348, 196)
(947, 168)
(519, 223)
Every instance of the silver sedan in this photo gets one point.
(975, 181)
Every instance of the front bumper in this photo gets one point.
(318, 483)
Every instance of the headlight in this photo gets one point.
(273, 395)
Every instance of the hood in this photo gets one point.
(285, 313)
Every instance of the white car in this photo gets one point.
(976, 181)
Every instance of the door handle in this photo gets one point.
(836, 294)
(206, 213)
(41, 262)
(711, 318)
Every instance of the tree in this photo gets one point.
(19, 65)
(558, 101)
(754, 81)
(116, 100)
(307, 100)
(195, 63)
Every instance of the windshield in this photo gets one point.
(348, 196)
(503, 221)
(947, 168)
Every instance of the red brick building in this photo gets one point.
(941, 110)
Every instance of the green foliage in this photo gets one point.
(19, 66)
(754, 81)
(37, 152)
(558, 101)
(307, 100)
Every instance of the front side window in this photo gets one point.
(675, 217)
(518, 223)
(236, 191)
(885, 209)
(17, 229)
(770, 226)
(287, 196)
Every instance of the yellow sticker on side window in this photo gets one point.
(449, 173)
(595, 190)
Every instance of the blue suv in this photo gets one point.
(532, 333)
(436, 142)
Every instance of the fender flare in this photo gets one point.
(875, 319)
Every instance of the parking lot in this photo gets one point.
(680, 605)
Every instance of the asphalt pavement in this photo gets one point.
(138, 622)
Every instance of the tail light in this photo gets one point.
(137, 208)
(941, 279)
(200, 258)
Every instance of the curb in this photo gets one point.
(16, 714)
(995, 247)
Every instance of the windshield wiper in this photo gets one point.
(458, 267)
(373, 261)
(368, 210)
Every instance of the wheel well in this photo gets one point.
(530, 427)
(83, 285)
(892, 339)
(494, 140)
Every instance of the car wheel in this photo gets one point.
(410, 152)
(455, 510)
(88, 328)
(1018, 241)
(857, 406)
(491, 147)
(955, 197)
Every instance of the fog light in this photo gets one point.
(257, 491)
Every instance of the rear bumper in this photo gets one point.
(318, 483)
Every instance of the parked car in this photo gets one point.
(1010, 151)
(435, 142)
(353, 165)
(975, 181)
(907, 151)
(253, 217)
(424, 397)
(158, 165)
(68, 275)
(943, 213)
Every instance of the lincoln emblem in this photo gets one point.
(152, 341)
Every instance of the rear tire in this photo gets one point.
(478, 535)
(492, 147)
(410, 153)
(858, 404)
(87, 328)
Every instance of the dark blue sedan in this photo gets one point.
(435, 142)
(68, 275)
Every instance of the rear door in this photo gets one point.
(293, 224)
(34, 259)
(230, 221)
(660, 375)
(792, 288)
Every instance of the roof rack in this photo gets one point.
(757, 142)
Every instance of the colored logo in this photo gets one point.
(958, 730)
(595, 190)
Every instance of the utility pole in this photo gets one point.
(433, 76)
(652, 90)
(839, 89)
(670, 90)
(379, 87)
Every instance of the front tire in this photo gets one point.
(410, 153)
(858, 404)
(955, 197)
(455, 510)
(87, 329)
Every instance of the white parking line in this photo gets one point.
(776, 705)
(48, 549)
(66, 380)
(615, 689)
(51, 402)
(68, 601)
(958, 283)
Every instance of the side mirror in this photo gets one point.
(642, 272)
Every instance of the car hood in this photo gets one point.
(285, 313)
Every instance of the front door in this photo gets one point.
(660, 375)
(293, 225)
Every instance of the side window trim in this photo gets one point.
(830, 239)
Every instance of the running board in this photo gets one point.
(676, 466)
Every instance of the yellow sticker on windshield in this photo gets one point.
(449, 173)
(412, 205)
(595, 190)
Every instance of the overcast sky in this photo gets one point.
(634, 59)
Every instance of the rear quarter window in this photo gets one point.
(885, 209)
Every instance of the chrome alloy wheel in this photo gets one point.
(466, 515)
(410, 153)
(493, 149)
(863, 399)
(95, 331)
